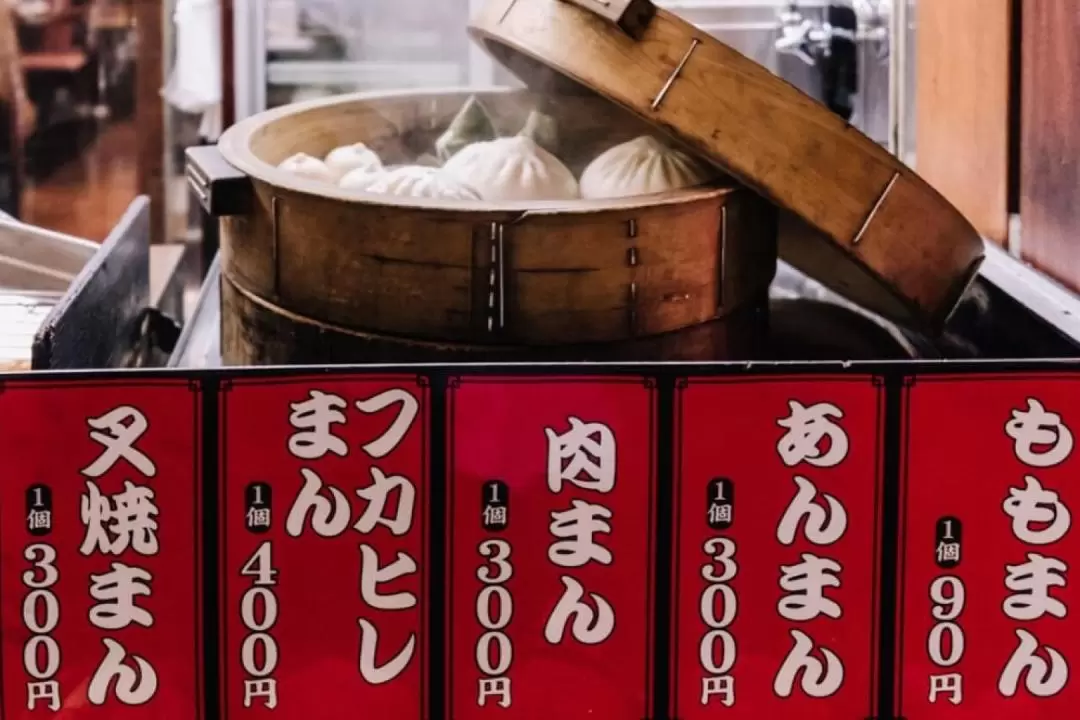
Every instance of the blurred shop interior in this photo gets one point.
(99, 100)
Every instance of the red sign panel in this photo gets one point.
(325, 547)
(988, 613)
(100, 585)
(778, 486)
(551, 548)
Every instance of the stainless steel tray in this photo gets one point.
(33, 259)
(37, 267)
(21, 315)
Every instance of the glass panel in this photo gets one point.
(323, 47)
(756, 28)
(182, 130)
(315, 48)
(907, 92)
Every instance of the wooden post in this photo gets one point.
(150, 111)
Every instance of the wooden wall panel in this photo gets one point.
(962, 57)
(1050, 138)
(228, 64)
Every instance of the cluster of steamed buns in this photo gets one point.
(478, 165)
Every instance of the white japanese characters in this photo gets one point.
(1039, 519)
(113, 523)
(946, 644)
(41, 615)
(123, 525)
(1035, 428)
(819, 679)
(804, 586)
(812, 437)
(585, 457)
(259, 614)
(717, 650)
(117, 431)
(39, 516)
(115, 592)
(1038, 516)
(815, 437)
(388, 501)
(577, 529)
(494, 611)
(823, 523)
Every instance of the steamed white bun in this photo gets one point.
(361, 178)
(306, 166)
(412, 181)
(642, 166)
(513, 168)
(343, 160)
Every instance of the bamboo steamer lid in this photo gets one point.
(861, 221)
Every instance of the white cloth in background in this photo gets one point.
(210, 128)
(195, 83)
(31, 9)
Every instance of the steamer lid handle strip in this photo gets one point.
(863, 222)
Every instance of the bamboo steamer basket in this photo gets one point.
(858, 220)
(314, 273)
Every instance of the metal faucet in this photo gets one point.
(800, 36)
(810, 40)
